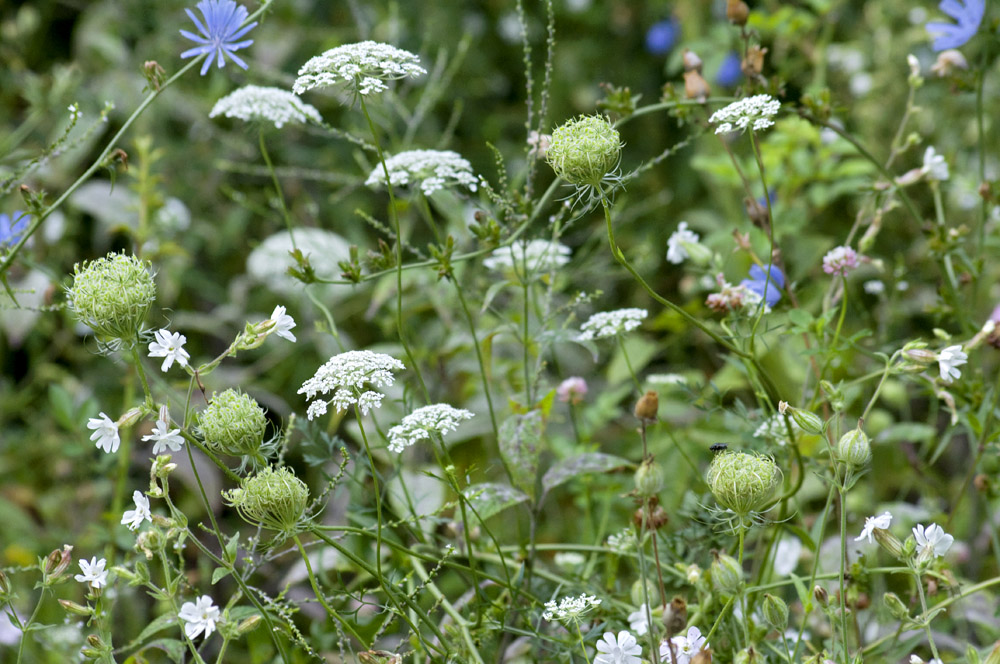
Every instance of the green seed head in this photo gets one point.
(584, 150)
(233, 424)
(649, 478)
(854, 449)
(112, 295)
(272, 499)
(742, 482)
(727, 574)
(775, 612)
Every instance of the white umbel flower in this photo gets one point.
(254, 103)
(949, 360)
(611, 323)
(170, 346)
(676, 252)
(432, 170)
(932, 541)
(134, 518)
(346, 376)
(200, 616)
(881, 522)
(570, 609)
(93, 572)
(105, 433)
(439, 418)
(755, 111)
(363, 66)
(531, 256)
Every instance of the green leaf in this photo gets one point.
(489, 498)
(218, 574)
(231, 547)
(906, 432)
(174, 648)
(582, 464)
(164, 621)
(62, 407)
(520, 445)
(800, 318)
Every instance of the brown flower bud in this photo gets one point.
(647, 406)
(675, 616)
(702, 657)
(737, 12)
(753, 63)
(695, 86)
(658, 518)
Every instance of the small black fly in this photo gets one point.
(719, 447)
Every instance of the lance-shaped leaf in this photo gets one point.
(520, 442)
(489, 498)
(589, 462)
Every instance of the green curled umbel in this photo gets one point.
(234, 424)
(112, 295)
(742, 482)
(273, 498)
(584, 150)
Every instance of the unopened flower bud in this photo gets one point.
(854, 449)
(636, 593)
(727, 575)
(75, 609)
(895, 606)
(743, 482)
(747, 656)
(233, 423)
(702, 657)
(821, 596)
(4, 584)
(737, 12)
(753, 63)
(154, 74)
(834, 394)
(248, 625)
(889, 542)
(112, 295)
(695, 86)
(809, 422)
(272, 499)
(94, 641)
(647, 406)
(584, 150)
(57, 562)
(775, 612)
(129, 418)
(675, 616)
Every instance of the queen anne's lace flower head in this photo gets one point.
(756, 111)
(439, 418)
(532, 256)
(570, 609)
(430, 169)
(612, 323)
(346, 376)
(254, 103)
(363, 66)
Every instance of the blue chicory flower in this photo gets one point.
(769, 289)
(730, 70)
(662, 36)
(12, 227)
(968, 13)
(219, 32)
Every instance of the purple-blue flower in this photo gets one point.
(730, 70)
(968, 13)
(12, 227)
(662, 36)
(219, 32)
(769, 289)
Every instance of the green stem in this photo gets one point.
(479, 356)
(277, 188)
(743, 592)
(583, 646)
(320, 597)
(26, 625)
(843, 574)
(925, 621)
(462, 623)
(628, 363)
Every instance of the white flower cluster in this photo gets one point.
(758, 109)
(611, 323)
(346, 375)
(570, 609)
(622, 542)
(366, 65)
(532, 256)
(254, 103)
(432, 169)
(439, 418)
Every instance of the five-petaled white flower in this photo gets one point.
(949, 360)
(283, 324)
(676, 252)
(881, 522)
(684, 647)
(621, 649)
(638, 621)
(200, 616)
(933, 539)
(163, 436)
(93, 572)
(170, 346)
(935, 167)
(105, 433)
(134, 518)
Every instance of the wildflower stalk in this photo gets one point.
(24, 627)
(583, 646)
(449, 608)
(277, 188)
(321, 598)
(168, 583)
(641, 552)
(326, 314)
(939, 217)
(770, 238)
(631, 371)
(815, 569)
(743, 592)
(843, 572)
(923, 606)
(378, 495)
(479, 355)
(525, 341)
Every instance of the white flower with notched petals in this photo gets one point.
(200, 616)
(676, 253)
(283, 324)
(134, 518)
(439, 418)
(93, 572)
(163, 436)
(684, 647)
(170, 346)
(933, 540)
(620, 649)
(105, 433)
(881, 522)
(949, 360)
(935, 167)
(638, 621)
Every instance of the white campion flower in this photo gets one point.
(432, 170)
(684, 647)
(932, 540)
(346, 375)
(439, 418)
(532, 256)
(364, 65)
(163, 436)
(676, 253)
(93, 572)
(283, 324)
(170, 346)
(935, 167)
(949, 360)
(881, 522)
(638, 621)
(739, 115)
(105, 433)
(134, 518)
(620, 649)
(254, 103)
(611, 323)
(199, 616)
(570, 609)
